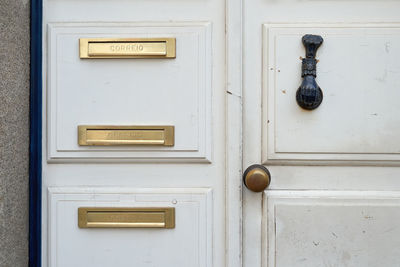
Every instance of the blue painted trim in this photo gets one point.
(35, 158)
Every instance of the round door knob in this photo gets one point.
(256, 178)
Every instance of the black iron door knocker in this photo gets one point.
(309, 95)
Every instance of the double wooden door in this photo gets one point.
(154, 109)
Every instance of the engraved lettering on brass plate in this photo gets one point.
(126, 217)
(127, 48)
(96, 135)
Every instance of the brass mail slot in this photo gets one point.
(126, 217)
(127, 48)
(96, 135)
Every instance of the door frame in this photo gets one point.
(233, 177)
(35, 136)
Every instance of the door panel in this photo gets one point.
(120, 91)
(358, 72)
(81, 247)
(332, 228)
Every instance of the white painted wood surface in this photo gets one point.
(120, 92)
(234, 149)
(337, 163)
(330, 228)
(334, 166)
(188, 92)
(188, 244)
(360, 75)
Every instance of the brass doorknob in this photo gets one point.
(256, 178)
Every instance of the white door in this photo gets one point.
(334, 199)
(134, 166)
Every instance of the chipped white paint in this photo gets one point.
(329, 228)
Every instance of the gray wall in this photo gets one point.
(14, 132)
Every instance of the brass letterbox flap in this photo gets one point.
(122, 217)
(127, 48)
(111, 135)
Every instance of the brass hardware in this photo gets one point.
(127, 48)
(256, 178)
(126, 217)
(97, 135)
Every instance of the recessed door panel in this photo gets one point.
(187, 243)
(332, 228)
(121, 91)
(359, 75)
